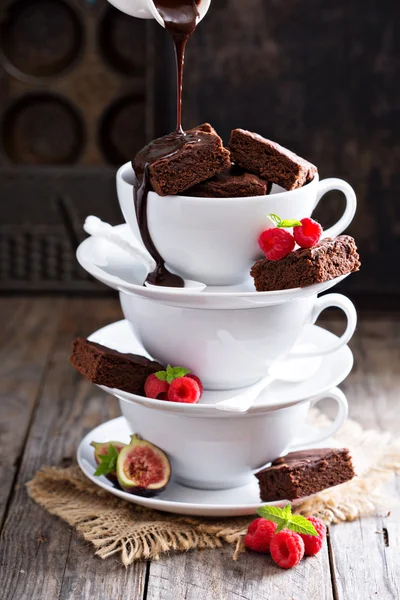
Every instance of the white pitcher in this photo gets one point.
(145, 9)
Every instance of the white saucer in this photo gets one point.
(333, 370)
(114, 267)
(176, 498)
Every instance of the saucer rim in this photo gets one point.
(170, 506)
(210, 410)
(120, 284)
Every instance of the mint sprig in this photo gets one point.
(284, 518)
(108, 462)
(171, 373)
(278, 222)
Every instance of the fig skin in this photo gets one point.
(101, 448)
(130, 485)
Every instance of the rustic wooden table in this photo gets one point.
(46, 408)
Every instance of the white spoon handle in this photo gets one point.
(245, 400)
(98, 228)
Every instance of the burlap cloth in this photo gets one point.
(115, 527)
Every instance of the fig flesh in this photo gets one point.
(101, 450)
(143, 468)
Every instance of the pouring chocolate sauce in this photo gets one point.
(180, 19)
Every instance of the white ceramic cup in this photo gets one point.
(214, 240)
(145, 9)
(229, 349)
(225, 451)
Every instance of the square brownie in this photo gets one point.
(305, 472)
(111, 368)
(200, 156)
(269, 160)
(331, 258)
(231, 183)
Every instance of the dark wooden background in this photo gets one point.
(322, 78)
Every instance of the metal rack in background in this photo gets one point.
(76, 100)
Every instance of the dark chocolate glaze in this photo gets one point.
(180, 18)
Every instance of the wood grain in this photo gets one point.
(365, 553)
(69, 407)
(89, 578)
(210, 574)
(42, 559)
(26, 337)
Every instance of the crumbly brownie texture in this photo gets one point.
(191, 164)
(231, 183)
(331, 258)
(111, 368)
(306, 472)
(269, 160)
(206, 127)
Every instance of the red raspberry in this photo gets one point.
(312, 543)
(184, 389)
(308, 233)
(287, 549)
(197, 380)
(259, 534)
(155, 388)
(276, 243)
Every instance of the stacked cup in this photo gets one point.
(242, 344)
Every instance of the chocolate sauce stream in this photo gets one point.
(180, 19)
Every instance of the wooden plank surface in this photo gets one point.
(207, 575)
(26, 337)
(57, 565)
(69, 407)
(365, 553)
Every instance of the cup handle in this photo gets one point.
(321, 434)
(326, 185)
(327, 301)
(327, 432)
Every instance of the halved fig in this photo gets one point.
(102, 449)
(142, 468)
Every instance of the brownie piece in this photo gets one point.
(331, 258)
(231, 183)
(176, 163)
(111, 368)
(306, 472)
(269, 160)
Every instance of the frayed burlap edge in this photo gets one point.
(115, 526)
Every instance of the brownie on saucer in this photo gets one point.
(111, 368)
(305, 472)
(201, 155)
(231, 183)
(269, 160)
(331, 258)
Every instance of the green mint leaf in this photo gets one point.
(289, 223)
(172, 373)
(180, 372)
(284, 519)
(281, 526)
(275, 514)
(300, 524)
(108, 462)
(275, 219)
(161, 375)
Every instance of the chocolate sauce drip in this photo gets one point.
(180, 19)
(160, 148)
